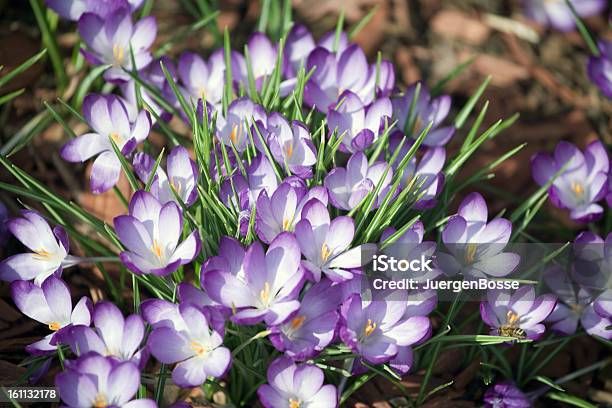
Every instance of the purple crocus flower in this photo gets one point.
(151, 234)
(592, 268)
(380, 331)
(349, 186)
(597, 317)
(270, 285)
(241, 115)
(517, 315)
(113, 39)
(263, 57)
(49, 250)
(290, 144)
(359, 127)
(110, 120)
(505, 394)
(296, 386)
(298, 46)
(583, 182)
(314, 325)
(203, 80)
(325, 244)
(600, 68)
(241, 194)
(557, 14)
(50, 304)
(230, 260)
(283, 210)
(426, 109)
(181, 177)
(426, 172)
(346, 70)
(97, 381)
(113, 335)
(572, 300)
(74, 9)
(188, 339)
(410, 246)
(476, 246)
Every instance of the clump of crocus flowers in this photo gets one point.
(257, 241)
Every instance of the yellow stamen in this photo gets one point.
(286, 225)
(116, 138)
(118, 54)
(264, 295)
(471, 253)
(370, 327)
(289, 150)
(235, 134)
(157, 250)
(202, 93)
(99, 402)
(512, 318)
(297, 322)
(54, 326)
(198, 348)
(325, 252)
(577, 188)
(41, 255)
(176, 185)
(294, 403)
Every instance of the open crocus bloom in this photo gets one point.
(241, 115)
(203, 80)
(283, 210)
(357, 126)
(349, 186)
(379, 330)
(97, 381)
(151, 234)
(409, 246)
(113, 39)
(290, 144)
(583, 182)
(268, 292)
(426, 172)
(314, 325)
(49, 250)
(74, 9)
(475, 245)
(113, 335)
(180, 180)
(425, 110)
(110, 120)
(557, 14)
(336, 72)
(572, 300)
(325, 244)
(187, 339)
(518, 315)
(50, 304)
(296, 386)
(597, 317)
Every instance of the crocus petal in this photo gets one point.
(105, 172)
(168, 346)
